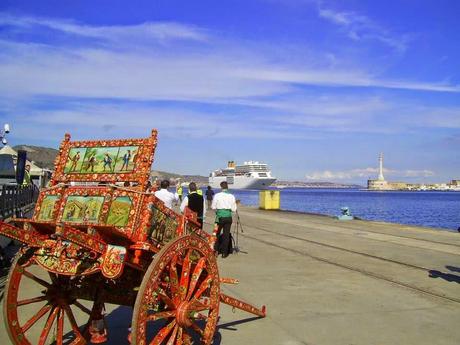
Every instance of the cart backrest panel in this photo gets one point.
(109, 161)
(98, 205)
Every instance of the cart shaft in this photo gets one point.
(242, 305)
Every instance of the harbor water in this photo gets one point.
(430, 209)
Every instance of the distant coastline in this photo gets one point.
(317, 185)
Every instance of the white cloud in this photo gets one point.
(210, 69)
(359, 27)
(159, 30)
(418, 173)
(126, 120)
(365, 173)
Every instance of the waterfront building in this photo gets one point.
(381, 184)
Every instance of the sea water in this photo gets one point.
(430, 209)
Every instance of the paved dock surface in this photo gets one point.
(326, 281)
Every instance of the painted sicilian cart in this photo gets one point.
(99, 236)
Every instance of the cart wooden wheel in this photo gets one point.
(178, 300)
(39, 306)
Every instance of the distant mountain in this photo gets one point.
(42, 156)
(162, 175)
(304, 184)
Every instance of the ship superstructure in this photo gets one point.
(249, 175)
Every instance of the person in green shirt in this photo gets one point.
(225, 204)
(179, 190)
(27, 179)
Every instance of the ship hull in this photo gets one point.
(241, 182)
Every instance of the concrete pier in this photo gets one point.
(330, 282)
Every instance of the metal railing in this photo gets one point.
(17, 200)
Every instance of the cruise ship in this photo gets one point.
(249, 175)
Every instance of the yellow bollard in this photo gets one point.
(269, 200)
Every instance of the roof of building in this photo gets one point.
(35, 170)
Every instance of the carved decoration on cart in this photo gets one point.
(113, 261)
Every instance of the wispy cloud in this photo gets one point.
(162, 31)
(125, 120)
(209, 69)
(359, 27)
(365, 173)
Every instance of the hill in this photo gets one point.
(305, 184)
(162, 175)
(42, 156)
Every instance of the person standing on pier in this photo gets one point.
(165, 195)
(179, 189)
(209, 196)
(27, 179)
(195, 202)
(225, 204)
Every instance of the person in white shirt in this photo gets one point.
(166, 196)
(224, 203)
(195, 202)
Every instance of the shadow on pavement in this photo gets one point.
(446, 276)
(453, 268)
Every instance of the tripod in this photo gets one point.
(239, 227)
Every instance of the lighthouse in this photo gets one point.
(381, 178)
(379, 183)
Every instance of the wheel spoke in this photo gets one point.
(163, 333)
(166, 299)
(203, 287)
(72, 321)
(161, 315)
(31, 300)
(60, 327)
(196, 305)
(196, 276)
(46, 308)
(186, 338)
(82, 307)
(179, 336)
(172, 338)
(48, 325)
(36, 279)
(185, 275)
(53, 277)
(197, 329)
(174, 280)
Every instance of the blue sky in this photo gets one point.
(314, 88)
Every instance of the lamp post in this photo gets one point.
(4, 132)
